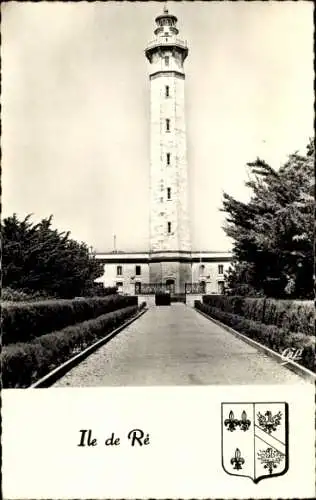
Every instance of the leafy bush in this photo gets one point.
(225, 302)
(97, 290)
(142, 306)
(22, 322)
(11, 295)
(24, 363)
(291, 315)
(272, 336)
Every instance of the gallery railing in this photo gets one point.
(195, 287)
(150, 288)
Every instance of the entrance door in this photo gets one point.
(202, 287)
(170, 285)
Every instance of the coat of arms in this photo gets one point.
(255, 439)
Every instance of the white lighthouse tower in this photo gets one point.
(170, 262)
(169, 217)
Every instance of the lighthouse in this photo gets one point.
(170, 241)
(169, 263)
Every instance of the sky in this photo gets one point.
(75, 109)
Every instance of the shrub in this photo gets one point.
(162, 299)
(11, 295)
(291, 315)
(22, 322)
(225, 303)
(24, 363)
(271, 336)
(142, 306)
(97, 290)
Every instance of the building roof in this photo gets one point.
(166, 256)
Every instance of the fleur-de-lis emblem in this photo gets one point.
(237, 461)
(271, 458)
(244, 422)
(231, 422)
(255, 439)
(269, 422)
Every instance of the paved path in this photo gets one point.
(176, 346)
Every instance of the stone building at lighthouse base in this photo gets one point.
(190, 273)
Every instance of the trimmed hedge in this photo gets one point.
(12, 295)
(16, 295)
(290, 315)
(271, 336)
(23, 322)
(162, 299)
(25, 363)
(99, 291)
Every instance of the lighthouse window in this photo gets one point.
(167, 60)
(169, 193)
(167, 90)
(169, 227)
(167, 125)
(168, 158)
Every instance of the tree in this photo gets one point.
(37, 258)
(273, 232)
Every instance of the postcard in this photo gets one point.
(157, 266)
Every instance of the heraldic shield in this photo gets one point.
(255, 439)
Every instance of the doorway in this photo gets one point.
(170, 284)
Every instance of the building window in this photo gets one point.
(202, 268)
(169, 193)
(167, 60)
(202, 287)
(167, 125)
(221, 287)
(169, 227)
(137, 270)
(220, 269)
(119, 270)
(119, 285)
(168, 158)
(138, 287)
(167, 91)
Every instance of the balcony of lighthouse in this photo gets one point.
(166, 42)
